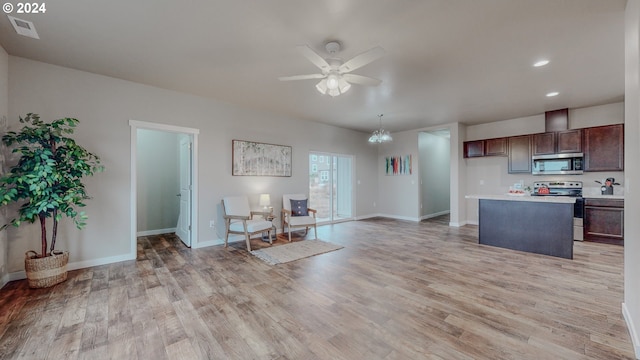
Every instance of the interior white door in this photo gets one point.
(183, 230)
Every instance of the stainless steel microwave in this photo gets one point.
(558, 164)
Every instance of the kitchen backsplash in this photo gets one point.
(588, 190)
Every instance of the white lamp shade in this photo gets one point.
(265, 200)
(332, 81)
(343, 85)
(322, 86)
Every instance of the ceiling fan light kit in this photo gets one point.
(381, 135)
(335, 75)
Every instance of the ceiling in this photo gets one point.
(446, 61)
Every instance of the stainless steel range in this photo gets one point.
(565, 188)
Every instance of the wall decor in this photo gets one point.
(398, 165)
(259, 159)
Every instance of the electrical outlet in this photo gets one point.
(212, 224)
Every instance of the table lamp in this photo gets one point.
(265, 202)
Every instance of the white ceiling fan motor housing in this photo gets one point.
(332, 47)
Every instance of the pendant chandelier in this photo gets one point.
(381, 135)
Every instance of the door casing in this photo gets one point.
(134, 126)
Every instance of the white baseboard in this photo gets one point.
(156, 232)
(232, 239)
(397, 217)
(363, 217)
(208, 243)
(19, 275)
(635, 340)
(429, 216)
(5, 279)
(469, 222)
(102, 261)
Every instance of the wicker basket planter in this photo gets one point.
(46, 271)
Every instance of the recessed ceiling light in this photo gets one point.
(541, 63)
(553, 93)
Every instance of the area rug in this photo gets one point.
(294, 251)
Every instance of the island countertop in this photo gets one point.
(545, 199)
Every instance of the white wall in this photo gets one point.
(398, 195)
(104, 107)
(489, 175)
(435, 173)
(4, 112)
(158, 180)
(631, 305)
(513, 127)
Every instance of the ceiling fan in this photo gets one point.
(336, 77)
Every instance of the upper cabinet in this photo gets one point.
(473, 148)
(488, 147)
(520, 154)
(556, 120)
(567, 141)
(495, 147)
(544, 143)
(604, 148)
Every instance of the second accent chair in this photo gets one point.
(296, 214)
(239, 219)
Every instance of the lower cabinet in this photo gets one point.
(604, 220)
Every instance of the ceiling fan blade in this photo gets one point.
(313, 56)
(363, 59)
(361, 80)
(302, 77)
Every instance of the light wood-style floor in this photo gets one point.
(397, 290)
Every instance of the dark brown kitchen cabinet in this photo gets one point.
(604, 148)
(604, 220)
(566, 141)
(544, 143)
(569, 141)
(473, 148)
(495, 147)
(556, 120)
(519, 154)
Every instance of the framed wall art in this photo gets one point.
(259, 159)
(398, 165)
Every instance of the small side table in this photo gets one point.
(265, 235)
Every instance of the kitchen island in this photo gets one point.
(537, 224)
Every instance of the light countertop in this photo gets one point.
(599, 196)
(545, 199)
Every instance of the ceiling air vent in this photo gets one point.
(24, 27)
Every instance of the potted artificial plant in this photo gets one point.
(47, 183)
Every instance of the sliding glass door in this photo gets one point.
(331, 186)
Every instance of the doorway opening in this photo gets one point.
(435, 173)
(164, 192)
(331, 186)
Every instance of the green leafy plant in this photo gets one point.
(48, 175)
